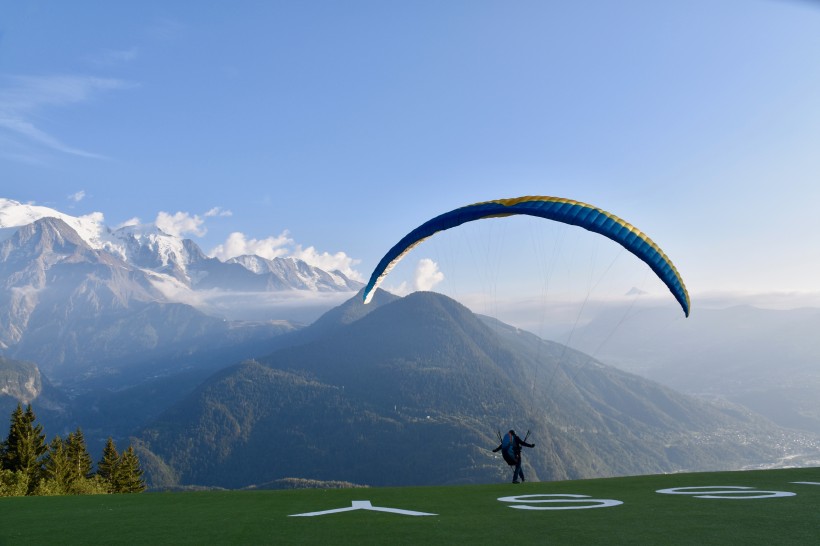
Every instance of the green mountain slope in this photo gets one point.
(414, 391)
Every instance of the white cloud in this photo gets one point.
(23, 98)
(181, 224)
(401, 290)
(217, 211)
(299, 306)
(176, 291)
(78, 196)
(282, 246)
(237, 244)
(130, 222)
(427, 275)
(329, 262)
(275, 246)
(97, 218)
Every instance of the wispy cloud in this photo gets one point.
(23, 98)
(77, 196)
(218, 211)
(113, 57)
(165, 30)
(26, 129)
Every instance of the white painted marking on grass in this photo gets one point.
(807, 483)
(364, 505)
(724, 492)
(566, 502)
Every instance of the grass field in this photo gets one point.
(464, 515)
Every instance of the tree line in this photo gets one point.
(30, 466)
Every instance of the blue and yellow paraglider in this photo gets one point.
(552, 208)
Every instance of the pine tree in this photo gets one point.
(9, 448)
(25, 445)
(3, 448)
(109, 463)
(79, 460)
(128, 478)
(57, 468)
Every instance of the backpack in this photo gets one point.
(508, 449)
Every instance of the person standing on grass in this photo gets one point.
(510, 449)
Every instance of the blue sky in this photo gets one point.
(327, 130)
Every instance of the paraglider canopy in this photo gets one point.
(558, 209)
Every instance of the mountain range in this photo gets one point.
(81, 299)
(107, 330)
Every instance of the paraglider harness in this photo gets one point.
(509, 450)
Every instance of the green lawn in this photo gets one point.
(466, 514)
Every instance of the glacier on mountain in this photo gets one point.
(171, 268)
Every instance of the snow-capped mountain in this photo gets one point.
(62, 301)
(147, 247)
(290, 272)
(73, 291)
(14, 215)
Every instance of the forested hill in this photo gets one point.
(414, 391)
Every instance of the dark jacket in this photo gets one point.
(516, 445)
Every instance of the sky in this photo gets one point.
(327, 130)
